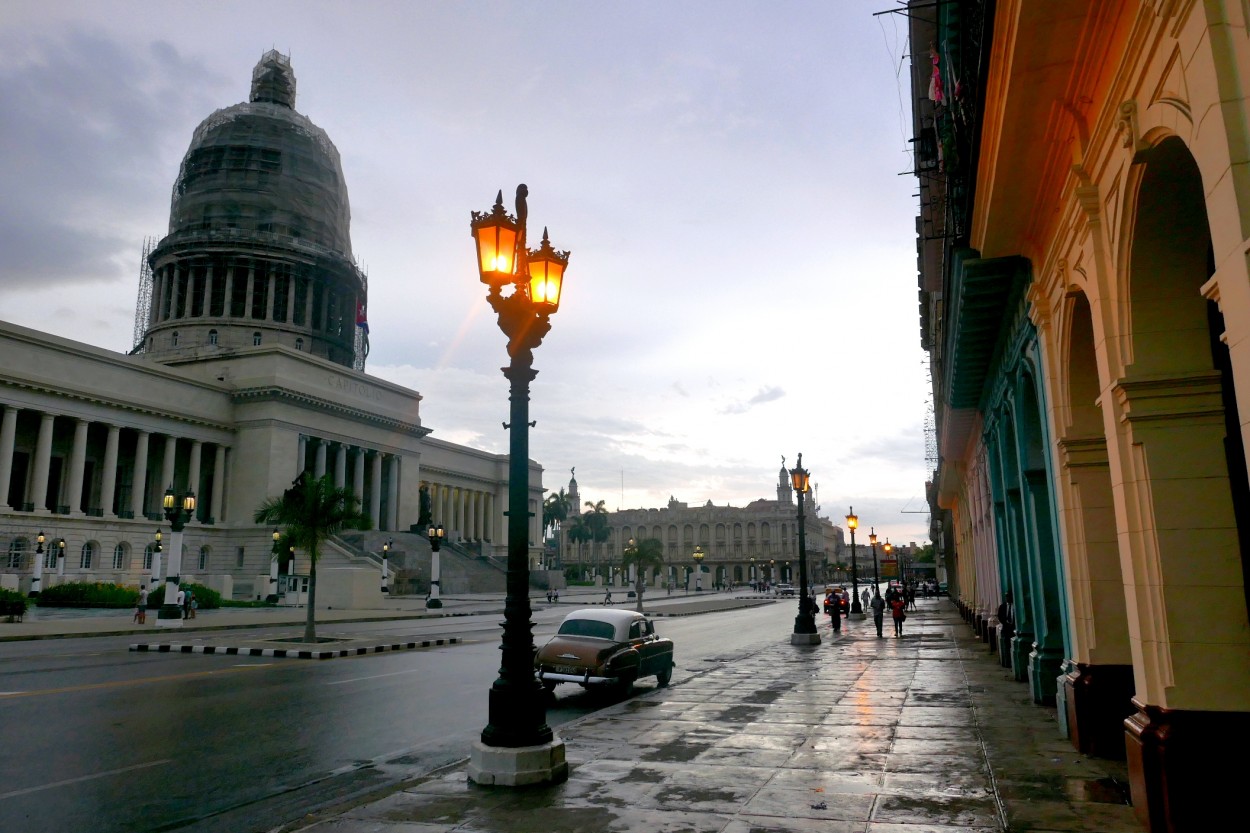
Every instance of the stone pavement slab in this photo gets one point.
(921, 734)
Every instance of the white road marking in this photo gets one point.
(80, 779)
(374, 677)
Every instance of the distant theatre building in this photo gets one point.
(1085, 299)
(754, 543)
(247, 370)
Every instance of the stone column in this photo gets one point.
(173, 292)
(137, 496)
(271, 300)
(43, 459)
(301, 454)
(308, 305)
(358, 477)
(77, 466)
(108, 478)
(471, 499)
(340, 466)
(319, 467)
(375, 496)
(208, 291)
(190, 301)
(228, 296)
(219, 485)
(167, 463)
(251, 290)
(392, 494)
(8, 435)
(290, 299)
(193, 474)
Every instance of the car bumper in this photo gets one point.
(581, 679)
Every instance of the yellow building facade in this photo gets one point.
(1086, 178)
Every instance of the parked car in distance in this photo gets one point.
(604, 648)
(785, 589)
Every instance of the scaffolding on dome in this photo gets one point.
(144, 302)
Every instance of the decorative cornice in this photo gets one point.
(1187, 397)
(1084, 452)
(105, 402)
(274, 393)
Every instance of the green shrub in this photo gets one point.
(89, 594)
(12, 603)
(208, 598)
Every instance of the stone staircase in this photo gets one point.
(462, 570)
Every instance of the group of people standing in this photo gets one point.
(896, 599)
(185, 600)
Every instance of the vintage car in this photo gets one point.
(841, 596)
(604, 648)
(785, 589)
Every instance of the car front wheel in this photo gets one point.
(665, 674)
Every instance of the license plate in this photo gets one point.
(569, 669)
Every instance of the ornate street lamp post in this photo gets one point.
(888, 549)
(697, 555)
(876, 577)
(857, 608)
(60, 557)
(386, 567)
(517, 747)
(805, 622)
(755, 584)
(435, 534)
(157, 549)
(273, 567)
(36, 581)
(178, 510)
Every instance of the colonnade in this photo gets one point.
(375, 476)
(468, 512)
(101, 468)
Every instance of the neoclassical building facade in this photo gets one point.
(1085, 298)
(247, 371)
(739, 545)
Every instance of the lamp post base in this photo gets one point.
(433, 604)
(499, 766)
(169, 616)
(797, 638)
(859, 615)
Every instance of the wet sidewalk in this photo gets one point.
(923, 734)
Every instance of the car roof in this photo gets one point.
(612, 615)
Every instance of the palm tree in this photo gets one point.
(597, 520)
(556, 510)
(312, 511)
(649, 552)
(579, 533)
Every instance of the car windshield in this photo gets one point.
(588, 627)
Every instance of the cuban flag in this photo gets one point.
(361, 321)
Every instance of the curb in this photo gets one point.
(290, 653)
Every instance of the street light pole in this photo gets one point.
(698, 568)
(36, 581)
(876, 577)
(157, 549)
(273, 567)
(178, 510)
(857, 608)
(517, 747)
(805, 622)
(386, 569)
(435, 535)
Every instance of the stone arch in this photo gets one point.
(1181, 477)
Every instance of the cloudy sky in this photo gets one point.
(726, 174)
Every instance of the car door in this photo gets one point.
(653, 650)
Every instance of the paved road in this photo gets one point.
(112, 740)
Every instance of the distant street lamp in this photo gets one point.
(157, 549)
(754, 578)
(386, 569)
(876, 577)
(697, 555)
(805, 622)
(435, 535)
(178, 510)
(36, 581)
(517, 747)
(60, 557)
(852, 522)
(888, 549)
(273, 567)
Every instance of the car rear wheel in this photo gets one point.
(665, 674)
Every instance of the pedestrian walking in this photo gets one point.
(195, 603)
(834, 606)
(898, 607)
(141, 606)
(911, 596)
(864, 597)
(878, 611)
(180, 600)
(607, 596)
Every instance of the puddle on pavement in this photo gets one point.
(1098, 790)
